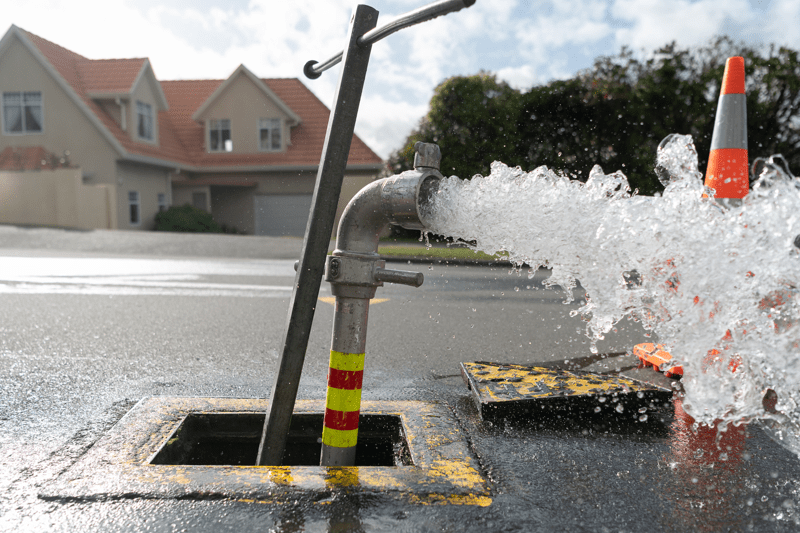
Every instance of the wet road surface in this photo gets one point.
(83, 338)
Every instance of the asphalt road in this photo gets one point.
(92, 322)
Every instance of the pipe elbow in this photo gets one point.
(401, 199)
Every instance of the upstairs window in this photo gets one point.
(144, 121)
(269, 134)
(219, 135)
(22, 112)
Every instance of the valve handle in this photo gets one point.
(404, 277)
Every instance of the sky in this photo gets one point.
(525, 43)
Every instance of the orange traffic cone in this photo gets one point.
(727, 170)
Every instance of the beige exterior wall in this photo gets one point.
(66, 127)
(149, 182)
(55, 198)
(233, 206)
(144, 92)
(244, 104)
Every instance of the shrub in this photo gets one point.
(186, 218)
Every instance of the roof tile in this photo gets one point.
(181, 139)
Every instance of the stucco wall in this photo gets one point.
(55, 198)
(66, 127)
(233, 206)
(143, 92)
(148, 181)
(244, 104)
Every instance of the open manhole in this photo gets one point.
(205, 448)
(233, 439)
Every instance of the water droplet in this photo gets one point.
(642, 418)
(619, 408)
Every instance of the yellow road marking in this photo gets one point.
(332, 300)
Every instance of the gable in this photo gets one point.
(242, 99)
(92, 89)
(64, 116)
(267, 100)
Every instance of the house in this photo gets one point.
(245, 149)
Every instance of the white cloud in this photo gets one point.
(521, 78)
(384, 124)
(654, 23)
(522, 41)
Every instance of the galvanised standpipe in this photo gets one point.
(355, 271)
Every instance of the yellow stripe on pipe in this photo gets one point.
(343, 400)
(347, 361)
(339, 438)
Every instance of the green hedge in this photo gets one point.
(186, 218)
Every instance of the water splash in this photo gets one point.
(699, 275)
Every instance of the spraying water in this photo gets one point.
(701, 276)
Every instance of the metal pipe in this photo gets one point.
(355, 271)
(317, 239)
(313, 70)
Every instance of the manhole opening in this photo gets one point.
(233, 439)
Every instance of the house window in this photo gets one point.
(269, 134)
(162, 202)
(135, 217)
(219, 135)
(144, 121)
(22, 112)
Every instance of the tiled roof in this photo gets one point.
(31, 158)
(110, 75)
(181, 139)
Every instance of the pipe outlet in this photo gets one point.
(403, 199)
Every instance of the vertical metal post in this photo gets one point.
(341, 126)
(343, 401)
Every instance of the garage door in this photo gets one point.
(281, 215)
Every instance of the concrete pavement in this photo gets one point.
(75, 360)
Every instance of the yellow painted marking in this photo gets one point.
(343, 400)
(534, 382)
(281, 475)
(342, 476)
(458, 473)
(332, 300)
(347, 361)
(453, 499)
(339, 438)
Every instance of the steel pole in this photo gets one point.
(335, 151)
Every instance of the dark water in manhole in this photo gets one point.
(233, 439)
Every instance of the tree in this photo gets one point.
(472, 119)
(613, 114)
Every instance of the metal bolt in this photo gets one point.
(428, 155)
(334, 268)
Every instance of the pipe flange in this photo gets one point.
(353, 269)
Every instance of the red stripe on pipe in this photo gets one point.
(345, 379)
(344, 420)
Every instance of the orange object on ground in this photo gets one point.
(655, 355)
(727, 172)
